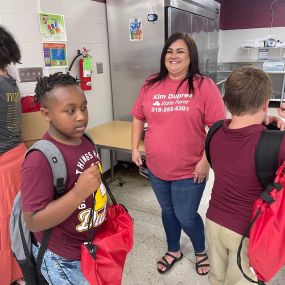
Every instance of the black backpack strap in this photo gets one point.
(266, 156)
(108, 190)
(246, 233)
(210, 134)
(43, 248)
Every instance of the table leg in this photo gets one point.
(100, 153)
(112, 153)
(112, 162)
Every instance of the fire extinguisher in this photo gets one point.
(85, 65)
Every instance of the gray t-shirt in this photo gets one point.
(10, 114)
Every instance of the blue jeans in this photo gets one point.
(59, 270)
(179, 201)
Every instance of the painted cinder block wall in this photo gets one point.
(245, 14)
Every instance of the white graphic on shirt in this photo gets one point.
(85, 158)
(99, 214)
(171, 103)
(159, 96)
(99, 196)
(156, 103)
(82, 206)
(98, 218)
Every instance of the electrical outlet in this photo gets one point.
(99, 67)
(30, 74)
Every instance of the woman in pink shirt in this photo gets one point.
(177, 103)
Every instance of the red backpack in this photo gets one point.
(266, 231)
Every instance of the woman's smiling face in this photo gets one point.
(177, 60)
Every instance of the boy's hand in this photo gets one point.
(276, 121)
(281, 110)
(89, 181)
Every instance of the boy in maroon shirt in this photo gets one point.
(64, 106)
(236, 186)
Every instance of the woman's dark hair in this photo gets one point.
(9, 49)
(194, 61)
(47, 83)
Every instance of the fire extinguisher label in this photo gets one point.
(87, 66)
(87, 73)
(87, 63)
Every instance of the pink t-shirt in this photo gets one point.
(236, 185)
(38, 191)
(175, 137)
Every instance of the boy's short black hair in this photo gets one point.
(246, 90)
(9, 49)
(47, 83)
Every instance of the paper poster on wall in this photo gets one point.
(52, 27)
(135, 29)
(55, 54)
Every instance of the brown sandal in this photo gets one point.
(166, 264)
(199, 265)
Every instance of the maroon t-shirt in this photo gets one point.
(38, 191)
(236, 185)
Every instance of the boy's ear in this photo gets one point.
(265, 106)
(45, 114)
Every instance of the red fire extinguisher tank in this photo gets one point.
(85, 65)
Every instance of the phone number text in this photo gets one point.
(169, 109)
